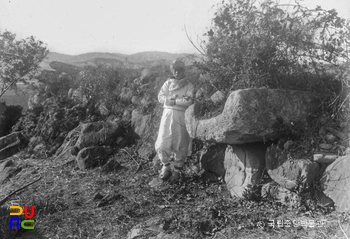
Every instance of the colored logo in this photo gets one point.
(15, 221)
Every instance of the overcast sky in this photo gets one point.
(119, 26)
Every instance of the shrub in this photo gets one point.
(275, 46)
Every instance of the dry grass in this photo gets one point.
(68, 205)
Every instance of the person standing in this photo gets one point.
(173, 139)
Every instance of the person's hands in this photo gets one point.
(169, 101)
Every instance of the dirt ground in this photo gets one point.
(114, 201)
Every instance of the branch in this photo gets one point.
(21, 188)
(188, 37)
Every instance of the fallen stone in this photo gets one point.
(287, 172)
(91, 157)
(335, 183)
(252, 115)
(244, 166)
(326, 146)
(325, 158)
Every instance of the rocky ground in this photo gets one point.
(116, 201)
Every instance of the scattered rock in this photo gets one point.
(91, 157)
(280, 194)
(326, 146)
(335, 183)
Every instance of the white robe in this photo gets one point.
(173, 138)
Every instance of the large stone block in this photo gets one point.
(251, 115)
(244, 165)
(335, 183)
(11, 144)
(288, 172)
(99, 133)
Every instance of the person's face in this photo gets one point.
(179, 73)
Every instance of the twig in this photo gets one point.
(342, 230)
(124, 150)
(21, 188)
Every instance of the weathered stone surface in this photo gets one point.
(217, 97)
(8, 169)
(335, 183)
(325, 158)
(11, 144)
(140, 123)
(251, 115)
(99, 133)
(286, 172)
(91, 157)
(212, 159)
(68, 151)
(280, 194)
(244, 165)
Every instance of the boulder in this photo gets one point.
(280, 194)
(99, 133)
(244, 166)
(141, 123)
(335, 183)
(287, 172)
(68, 150)
(11, 144)
(91, 157)
(252, 115)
